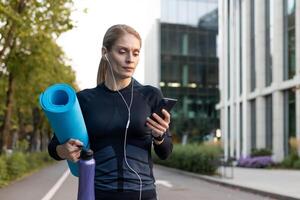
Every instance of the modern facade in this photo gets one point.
(189, 63)
(259, 79)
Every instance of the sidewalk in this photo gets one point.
(276, 183)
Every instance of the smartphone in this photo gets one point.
(165, 103)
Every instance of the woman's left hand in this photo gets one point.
(160, 127)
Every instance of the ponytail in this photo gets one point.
(101, 71)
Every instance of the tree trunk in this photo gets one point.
(9, 44)
(15, 138)
(7, 114)
(21, 132)
(35, 139)
(44, 139)
(43, 136)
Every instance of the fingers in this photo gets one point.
(156, 130)
(74, 145)
(161, 125)
(74, 157)
(160, 122)
(72, 149)
(75, 142)
(167, 116)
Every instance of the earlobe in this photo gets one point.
(105, 57)
(104, 53)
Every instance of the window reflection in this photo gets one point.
(290, 39)
(189, 63)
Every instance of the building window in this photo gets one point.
(289, 119)
(241, 128)
(269, 40)
(269, 122)
(228, 48)
(228, 131)
(185, 75)
(253, 124)
(252, 45)
(289, 39)
(241, 47)
(185, 43)
(189, 68)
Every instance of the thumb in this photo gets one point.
(78, 143)
(75, 142)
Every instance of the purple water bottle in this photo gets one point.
(86, 176)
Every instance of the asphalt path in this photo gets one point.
(56, 183)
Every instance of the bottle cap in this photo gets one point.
(86, 154)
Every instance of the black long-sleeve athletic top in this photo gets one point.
(105, 115)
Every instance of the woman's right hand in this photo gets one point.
(70, 150)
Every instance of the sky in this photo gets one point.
(82, 44)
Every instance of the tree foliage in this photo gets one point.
(30, 60)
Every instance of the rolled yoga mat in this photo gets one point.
(60, 104)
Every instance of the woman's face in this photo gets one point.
(124, 56)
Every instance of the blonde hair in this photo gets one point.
(110, 37)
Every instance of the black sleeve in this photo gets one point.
(164, 149)
(52, 148)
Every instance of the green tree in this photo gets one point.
(51, 70)
(29, 57)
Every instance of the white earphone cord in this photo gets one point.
(127, 124)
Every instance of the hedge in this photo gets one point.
(18, 164)
(202, 159)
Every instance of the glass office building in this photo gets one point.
(259, 75)
(189, 63)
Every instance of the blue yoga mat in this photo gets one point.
(60, 104)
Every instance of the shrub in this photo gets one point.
(16, 165)
(34, 160)
(289, 161)
(38, 159)
(194, 158)
(3, 171)
(294, 143)
(261, 152)
(22, 145)
(296, 164)
(255, 162)
(292, 160)
(46, 158)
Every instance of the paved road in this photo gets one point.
(34, 187)
(170, 185)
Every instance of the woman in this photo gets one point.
(116, 114)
